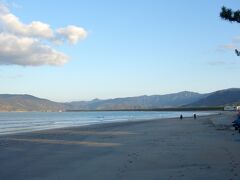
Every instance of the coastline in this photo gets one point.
(152, 149)
(54, 123)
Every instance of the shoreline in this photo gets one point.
(107, 122)
(210, 108)
(152, 149)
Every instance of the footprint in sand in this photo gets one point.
(131, 158)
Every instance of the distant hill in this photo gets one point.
(220, 98)
(24, 102)
(19, 102)
(139, 102)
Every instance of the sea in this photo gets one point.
(18, 122)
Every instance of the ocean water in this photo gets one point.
(16, 122)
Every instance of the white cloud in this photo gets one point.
(72, 33)
(12, 24)
(3, 9)
(28, 51)
(23, 44)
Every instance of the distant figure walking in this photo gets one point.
(195, 116)
(181, 116)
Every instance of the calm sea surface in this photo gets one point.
(15, 122)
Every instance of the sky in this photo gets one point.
(81, 50)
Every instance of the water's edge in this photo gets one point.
(22, 122)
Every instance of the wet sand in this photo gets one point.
(205, 148)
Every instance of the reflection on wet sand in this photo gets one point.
(113, 133)
(65, 142)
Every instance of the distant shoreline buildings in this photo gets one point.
(231, 108)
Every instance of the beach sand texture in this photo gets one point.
(205, 148)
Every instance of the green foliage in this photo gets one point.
(230, 15)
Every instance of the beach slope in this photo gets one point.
(205, 148)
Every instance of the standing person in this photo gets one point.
(181, 116)
(195, 116)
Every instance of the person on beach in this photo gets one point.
(181, 116)
(195, 116)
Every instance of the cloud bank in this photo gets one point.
(25, 44)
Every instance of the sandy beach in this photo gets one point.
(205, 148)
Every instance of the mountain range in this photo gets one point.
(185, 99)
(139, 102)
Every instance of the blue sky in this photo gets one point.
(132, 48)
